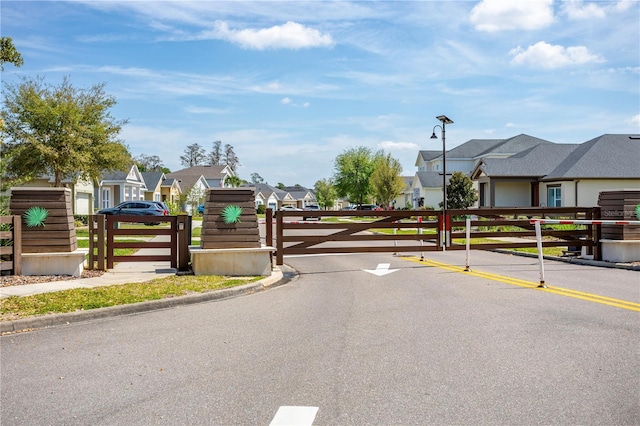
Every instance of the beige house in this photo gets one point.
(560, 175)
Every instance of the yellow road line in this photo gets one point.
(618, 303)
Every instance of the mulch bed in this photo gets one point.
(10, 280)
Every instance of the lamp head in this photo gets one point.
(433, 135)
(444, 119)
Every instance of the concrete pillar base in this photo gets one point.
(232, 261)
(620, 251)
(65, 263)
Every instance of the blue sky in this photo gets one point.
(291, 85)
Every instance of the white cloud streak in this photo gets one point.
(501, 15)
(290, 35)
(547, 56)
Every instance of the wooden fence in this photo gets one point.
(430, 231)
(11, 247)
(103, 230)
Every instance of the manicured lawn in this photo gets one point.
(99, 297)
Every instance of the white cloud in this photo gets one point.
(288, 36)
(578, 10)
(634, 121)
(205, 110)
(500, 15)
(289, 101)
(390, 146)
(545, 55)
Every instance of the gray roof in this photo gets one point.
(151, 179)
(266, 190)
(473, 148)
(298, 192)
(607, 156)
(431, 179)
(429, 155)
(533, 162)
(477, 148)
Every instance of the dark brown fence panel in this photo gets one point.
(293, 236)
(97, 242)
(354, 232)
(112, 231)
(11, 253)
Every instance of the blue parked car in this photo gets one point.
(200, 209)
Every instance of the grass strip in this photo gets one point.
(80, 299)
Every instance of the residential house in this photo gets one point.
(116, 187)
(608, 162)
(405, 198)
(561, 175)
(269, 196)
(301, 196)
(170, 190)
(427, 190)
(462, 158)
(515, 181)
(195, 180)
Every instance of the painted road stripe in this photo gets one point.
(595, 298)
(294, 416)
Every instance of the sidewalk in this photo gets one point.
(122, 273)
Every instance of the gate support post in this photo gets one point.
(184, 239)
(279, 243)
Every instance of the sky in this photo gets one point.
(291, 85)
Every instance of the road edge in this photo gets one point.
(52, 320)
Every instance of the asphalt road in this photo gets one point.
(404, 344)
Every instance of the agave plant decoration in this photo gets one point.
(231, 214)
(35, 216)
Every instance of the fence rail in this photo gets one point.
(11, 253)
(507, 227)
(104, 229)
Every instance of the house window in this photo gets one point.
(554, 196)
(106, 198)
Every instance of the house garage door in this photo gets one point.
(82, 203)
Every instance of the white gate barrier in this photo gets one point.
(537, 223)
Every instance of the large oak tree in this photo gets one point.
(62, 131)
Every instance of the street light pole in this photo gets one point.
(445, 120)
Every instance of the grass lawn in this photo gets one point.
(80, 299)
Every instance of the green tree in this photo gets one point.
(62, 131)
(193, 155)
(256, 178)
(149, 163)
(230, 158)
(325, 193)
(281, 185)
(9, 53)
(215, 156)
(233, 181)
(353, 169)
(195, 196)
(460, 192)
(386, 179)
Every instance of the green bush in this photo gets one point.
(262, 209)
(81, 219)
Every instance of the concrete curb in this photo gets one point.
(52, 320)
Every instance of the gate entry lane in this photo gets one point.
(609, 286)
(588, 282)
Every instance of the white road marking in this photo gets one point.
(294, 416)
(381, 269)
